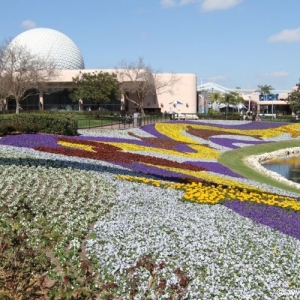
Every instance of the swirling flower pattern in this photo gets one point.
(160, 190)
(182, 152)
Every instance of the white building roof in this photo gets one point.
(213, 87)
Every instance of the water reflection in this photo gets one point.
(288, 167)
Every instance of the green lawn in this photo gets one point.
(84, 120)
(93, 122)
(234, 160)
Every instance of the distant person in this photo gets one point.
(179, 114)
(123, 115)
(129, 119)
(171, 112)
(249, 113)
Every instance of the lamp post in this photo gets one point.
(201, 101)
(210, 102)
(272, 109)
(249, 104)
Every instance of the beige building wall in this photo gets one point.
(184, 90)
(253, 99)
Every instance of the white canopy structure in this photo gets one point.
(211, 86)
(252, 99)
(222, 105)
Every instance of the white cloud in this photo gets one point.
(208, 5)
(168, 3)
(278, 74)
(287, 36)
(28, 24)
(217, 78)
(172, 3)
(185, 2)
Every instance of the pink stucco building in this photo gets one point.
(49, 43)
(55, 46)
(185, 91)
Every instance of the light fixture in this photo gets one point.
(161, 105)
(187, 105)
(249, 104)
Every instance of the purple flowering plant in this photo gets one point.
(169, 168)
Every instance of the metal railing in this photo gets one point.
(115, 122)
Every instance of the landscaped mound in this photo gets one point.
(141, 189)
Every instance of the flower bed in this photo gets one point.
(143, 188)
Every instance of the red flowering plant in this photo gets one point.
(113, 154)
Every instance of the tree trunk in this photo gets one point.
(17, 106)
(80, 105)
(227, 110)
(140, 105)
(142, 111)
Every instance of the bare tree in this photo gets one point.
(23, 74)
(3, 94)
(138, 80)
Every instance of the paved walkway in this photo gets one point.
(117, 126)
(120, 126)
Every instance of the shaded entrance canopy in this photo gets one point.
(239, 106)
(222, 105)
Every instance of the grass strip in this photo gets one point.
(234, 160)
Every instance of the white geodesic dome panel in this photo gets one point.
(51, 44)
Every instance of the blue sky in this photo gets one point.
(235, 43)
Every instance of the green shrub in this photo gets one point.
(63, 125)
(213, 115)
(5, 127)
(43, 123)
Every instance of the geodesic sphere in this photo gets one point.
(51, 44)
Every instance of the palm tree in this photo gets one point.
(265, 89)
(231, 98)
(216, 97)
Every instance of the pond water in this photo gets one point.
(288, 167)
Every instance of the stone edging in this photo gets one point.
(255, 161)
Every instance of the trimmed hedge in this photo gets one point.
(219, 116)
(34, 123)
